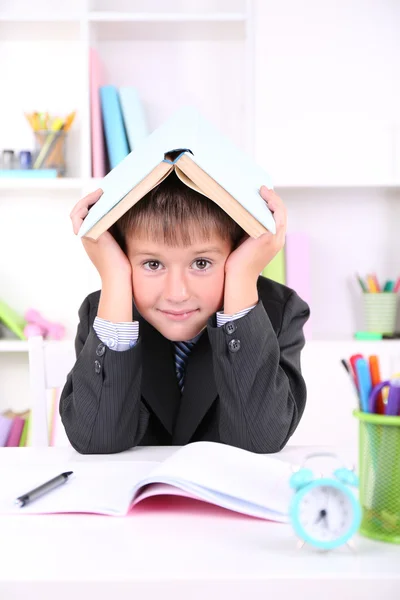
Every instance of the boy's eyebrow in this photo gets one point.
(212, 249)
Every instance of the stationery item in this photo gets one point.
(298, 269)
(389, 286)
(5, 428)
(372, 284)
(362, 283)
(373, 335)
(133, 115)
(47, 141)
(25, 159)
(349, 371)
(15, 432)
(375, 372)
(45, 488)
(276, 269)
(114, 130)
(206, 161)
(352, 361)
(7, 159)
(226, 476)
(380, 311)
(397, 285)
(379, 472)
(392, 406)
(97, 134)
(364, 382)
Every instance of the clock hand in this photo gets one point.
(322, 515)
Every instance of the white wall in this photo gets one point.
(326, 111)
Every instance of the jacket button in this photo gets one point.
(230, 327)
(234, 345)
(100, 350)
(97, 367)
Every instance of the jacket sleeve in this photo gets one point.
(100, 405)
(262, 393)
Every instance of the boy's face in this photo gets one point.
(177, 288)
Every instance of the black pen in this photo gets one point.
(43, 489)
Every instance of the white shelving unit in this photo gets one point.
(270, 75)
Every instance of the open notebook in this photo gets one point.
(241, 481)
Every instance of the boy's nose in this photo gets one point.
(176, 289)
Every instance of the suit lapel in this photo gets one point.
(159, 382)
(199, 392)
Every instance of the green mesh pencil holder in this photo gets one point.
(379, 472)
(380, 311)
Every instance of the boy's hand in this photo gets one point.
(247, 261)
(105, 253)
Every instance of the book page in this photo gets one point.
(102, 488)
(250, 483)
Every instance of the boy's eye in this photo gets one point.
(201, 264)
(152, 265)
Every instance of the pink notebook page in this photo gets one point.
(298, 269)
(97, 135)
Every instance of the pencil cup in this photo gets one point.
(380, 311)
(379, 473)
(50, 151)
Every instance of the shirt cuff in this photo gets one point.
(223, 318)
(117, 336)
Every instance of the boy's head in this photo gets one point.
(177, 242)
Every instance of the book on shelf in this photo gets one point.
(237, 480)
(12, 426)
(202, 158)
(113, 123)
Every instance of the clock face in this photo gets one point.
(325, 513)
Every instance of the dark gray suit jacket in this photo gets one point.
(243, 384)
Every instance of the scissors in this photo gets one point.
(392, 406)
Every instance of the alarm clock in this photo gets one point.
(324, 511)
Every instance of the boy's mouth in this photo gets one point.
(179, 315)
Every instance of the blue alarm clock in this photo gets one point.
(324, 511)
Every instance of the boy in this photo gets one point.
(184, 341)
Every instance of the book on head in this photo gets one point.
(202, 158)
(238, 480)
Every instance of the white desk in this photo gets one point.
(170, 554)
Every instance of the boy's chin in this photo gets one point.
(181, 332)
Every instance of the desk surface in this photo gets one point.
(166, 548)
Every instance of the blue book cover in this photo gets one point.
(134, 115)
(114, 129)
(208, 162)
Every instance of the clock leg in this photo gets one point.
(300, 544)
(351, 546)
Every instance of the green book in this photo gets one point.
(202, 158)
(12, 320)
(276, 269)
(24, 434)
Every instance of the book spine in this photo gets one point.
(15, 432)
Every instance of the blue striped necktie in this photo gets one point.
(182, 351)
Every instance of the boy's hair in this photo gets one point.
(176, 214)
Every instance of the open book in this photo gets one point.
(241, 481)
(202, 158)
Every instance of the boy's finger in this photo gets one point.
(87, 201)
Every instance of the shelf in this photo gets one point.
(34, 185)
(111, 16)
(174, 27)
(31, 28)
(13, 346)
